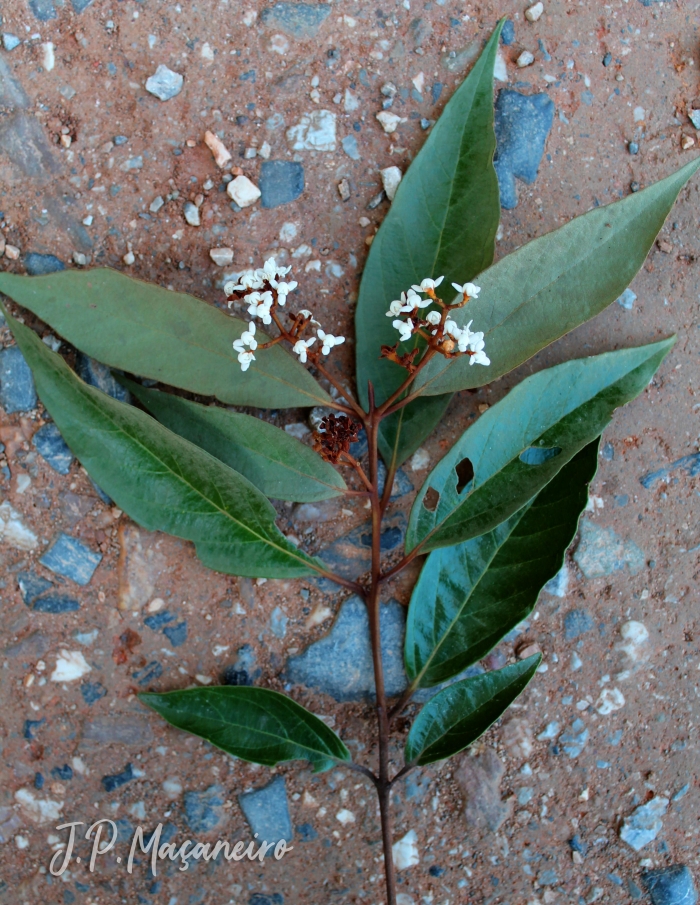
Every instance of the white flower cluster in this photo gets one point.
(261, 301)
(412, 301)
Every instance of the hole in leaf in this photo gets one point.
(465, 474)
(431, 499)
(537, 455)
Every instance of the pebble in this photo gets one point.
(576, 623)
(9, 42)
(165, 84)
(72, 559)
(13, 531)
(314, 132)
(559, 585)
(687, 142)
(38, 810)
(205, 810)
(37, 593)
(129, 730)
(420, 459)
(500, 69)
(244, 671)
(479, 778)
(574, 740)
(391, 177)
(243, 191)
(671, 885)
(92, 692)
(522, 124)
(525, 59)
(221, 153)
(633, 147)
(644, 824)
(191, 211)
(71, 665)
(405, 851)
(156, 205)
(176, 634)
(278, 623)
(17, 392)
(602, 552)
(390, 121)
(12, 252)
(100, 376)
(609, 700)
(115, 781)
(222, 257)
(627, 300)
(80, 259)
(516, 735)
(534, 12)
(297, 20)
(281, 181)
(267, 811)
(351, 147)
(508, 32)
(694, 117)
(344, 190)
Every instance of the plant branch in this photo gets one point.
(354, 406)
(401, 704)
(409, 557)
(402, 772)
(358, 768)
(353, 586)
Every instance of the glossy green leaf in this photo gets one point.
(255, 724)
(551, 285)
(443, 220)
(167, 336)
(163, 482)
(519, 444)
(468, 597)
(275, 461)
(460, 713)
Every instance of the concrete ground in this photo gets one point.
(553, 793)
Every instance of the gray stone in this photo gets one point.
(72, 559)
(267, 811)
(522, 124)
(689, 464)
(644, 823)
(9, 42)
(80, 6)
(298, 20)
(574, 740)
(350, 147)
(278, 623)
(459, 60)
(191, 212)
(694, 116)
(53, 448)
(281, 181)
(508, 32)
(205, 810)
(671, 885)
(100, 376)
(38, 265)
(577, 623)
(558, 585)
(129, 729)
(627, 300)
(23, 140)
(315, 131)
(420, 30)
(340, 664)
(165, 84)
(479, 779)
(37, 593)
(351, 554)
(244, 671)
(602, 552)
(17, 393)
(43, 9)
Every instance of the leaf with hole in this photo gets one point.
(460, 713)
(256, 724)
(163, 482)
(518, 445)
(281, 466)
(443, 221)
(167, 336)
(469, 596)
(551, 285)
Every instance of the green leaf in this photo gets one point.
(551, 285)
(255, 724)
(458, 715)
(163, 482)
(166, 336)
(443, 220)
(519, 444)
(468, 597)
(277, 463)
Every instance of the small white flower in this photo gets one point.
(433, 317)
(269, 272)
(283, 290)
(302, 346)
(245, 359)
(479, 358)
(453, 329)
(247, 338)
(405, 329)
(249, 279)
(468, 289)
(427, 284)
(395, 308)
(309, 316)
(329, 341)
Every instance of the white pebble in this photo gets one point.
(172, 787)
(13, 531)
(88, 221)
(265, 150)
(288, 232)
(11, 252)
(156, 604)
(243, 191)
(420, 459)
(129, 258)
(405, 851)
(391, 177)
(80, 259)
(70, 666)
(500, 70)
(639, 114)
(222, 257)
(39, 810)
(345, 817)
(48, 59)
(191, 212)
(533, 14)
(249, 153)
(156, 204)
(221, 153)
(610, 699)
(390, 121)
(21, 842)
(206, 52)
(525, 59)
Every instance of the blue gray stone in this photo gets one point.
(351, 554)
(38, 265)
(278, 623)
(100, 376)
(149, 673)
(281, 181)
(522, 124)
(43, 9)
(627, 299)
(24, 141)
(37, 593)
(17, 393)
(573, 741)
(80, 6)
(267, 811)
(176, 634)
(644, 823)
(244, 671)
(305, 832)
(30, 727)
(259, 898)
(92, 691)
(164, 83)
(508, 32)
(72, 559)
(205, 810)
(53, 448)
(63, 774)
(158, 620)
(602, 552)
(9, 42)
(689, 464)
(298, 20)
(350, 147)
(671, 885)
(558, 585)
(116, 780)
(577, 623)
